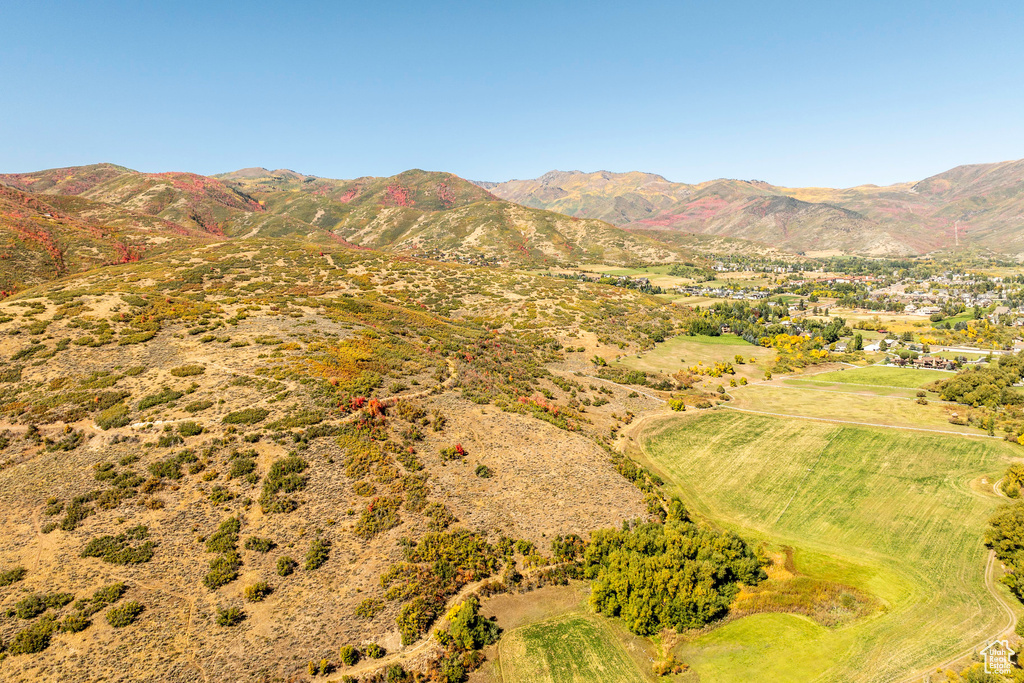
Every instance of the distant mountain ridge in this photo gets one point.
(69, 219)
(978, 206)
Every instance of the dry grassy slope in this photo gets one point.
(969, 206)
(73, 180)
(44, 236)
(696, 243)
(421, 211)
(432, 191)
(504, 232)
(986, 201)
(726, 208)
(279, 327)
(979, 205)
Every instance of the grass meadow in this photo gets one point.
(878, 375)
(898, 515)
(857, 404)
(574, 648)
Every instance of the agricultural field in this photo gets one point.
(868, 405)
(895, 515)
(575, 648)
(876, 375)
(812, 384)
(782, 647)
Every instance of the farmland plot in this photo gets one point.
(899, 515)
(570, 649)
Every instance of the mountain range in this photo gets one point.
(979, 206)
(69, 219)
(66, 220)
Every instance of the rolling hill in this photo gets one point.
(438, 214)
(45, 236)
(979, 206)
(265, 426)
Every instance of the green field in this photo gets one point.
(766, 643)
(961, 318)
(720, 340)
(899, 515)
(950, 355)
(695, 301)
(878, 375)
(574, 648)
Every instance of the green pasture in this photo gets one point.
(877, 375)
(575, 648)
(897, 514)
(873, 390)
(858, 404)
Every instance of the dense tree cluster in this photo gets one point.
(755, 321)
(990, 386)
(468, 631)
(1013, 480)
(1005, 535)
(672, 575)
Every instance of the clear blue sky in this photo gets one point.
(815, 93)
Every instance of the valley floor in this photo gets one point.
(867, 496)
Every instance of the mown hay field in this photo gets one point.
(899, 515)
(574, 648)
(868, 407)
